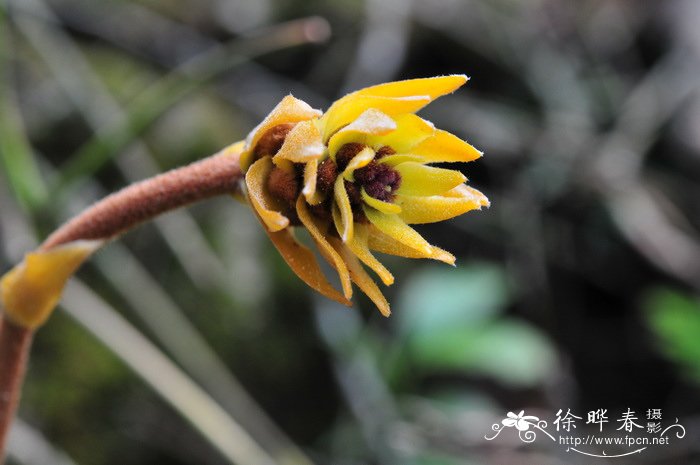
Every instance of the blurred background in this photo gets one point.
(190, 342)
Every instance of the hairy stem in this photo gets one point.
(131, 206)
(108, 218)
(14, 353)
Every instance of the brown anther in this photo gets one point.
(379, 180)
(271, 142)
(384, 151)
(326, 175)
(346, 153)
(354, 193)
(322, 210)
(283, 185)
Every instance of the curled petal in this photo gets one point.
(370, 122)
(359, 246)
(434, 208)
(394, 226)
(327, 250)
(384, 207)
(344, 112)
(312, 196)
(410, 131)
(266, 206)
(303, 262)
(343, 202)
(361, 278)
(360, 160)
(289, 110)
(383, 243)
(302, 144)
(418, 179)
(509, 422)
(445, 147)
(31, 290)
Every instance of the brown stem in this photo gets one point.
(14, 352)
(131, 206)
(106, 219)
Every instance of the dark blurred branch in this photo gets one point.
(14, 351)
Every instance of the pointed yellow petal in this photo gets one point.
(347, 109)
(419, 179)
(343, 202)
(289, 110)
(360, 160)
(393, 98)
(313, 197)
(433, 87)
(380, 242)
(361, 278)
(410, 131)
(384, 207)
(31, 290)
(394, 226)
(445, 147)
(302, 144)
(461, 199)
(312, 225)
(302, 261)
(359, 246)
(370, 122)
(267, 207)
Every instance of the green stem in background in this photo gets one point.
(15, 152)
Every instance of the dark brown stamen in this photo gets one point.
(346, 153)
(271, 142)
(283, 185)
(379, 180)
(384, 151)
(327, 173)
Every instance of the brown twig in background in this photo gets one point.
(14, 351)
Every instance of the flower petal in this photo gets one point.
(384, 207)
(410, 131)
(360, 160)
(289, 110)
(434, 208)
(313, 197)
(394, 226)
(419, 179)
(266, 206)
(398, 158)
(31, 290)
(359, 246)
(343, 202)
(433, 87)
(311, 224)
(445, 147)
(302, 144)
(361, 278)
(303, 262)
(383, 243)
(344, 111)
(370, 122)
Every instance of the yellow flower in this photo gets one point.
(355, 177)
